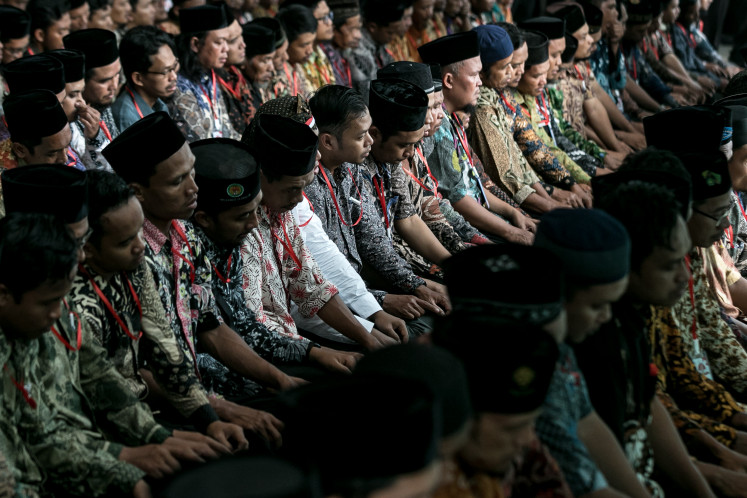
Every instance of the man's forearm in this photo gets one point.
(335, 314)
(417, 234)
(615, 116)
(226, 346)
(600, 122)
(642, 98)
(671, 455)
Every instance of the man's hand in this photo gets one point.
(194, 447)
(381, 340)
(287, 382)
(522, 222)
(407, 307)
(334, 361)
(567, 198)
(521, 237)
(725, 482)
(437, 293)
(390, 325)
(155, 460)
(224, 433)
(90, 118)
(613, 160)
(582, 194)
(635, 140)
(141, 490)
(261, 423)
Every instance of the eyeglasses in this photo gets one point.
(329, 17)
(718, 219)
(175, 69)
(81, 241)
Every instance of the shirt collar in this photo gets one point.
(154, 237)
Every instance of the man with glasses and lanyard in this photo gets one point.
(150, 67)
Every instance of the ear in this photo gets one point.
(448, 81)
(39, 35)
(202, 219)
(138, 189)
(19, 150)
(375, 133)
(194, 44)
(327, 141)
(89, 250)
(137, 78)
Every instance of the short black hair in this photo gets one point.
(29, 143)
(296, 20)
(34, 249)
(45, 13)
(514, 33)
(106, 192)
(333, 106)
(648, 212)
(137, 47)
(98, 5)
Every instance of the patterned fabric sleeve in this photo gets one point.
(691, 392)
(185, 111)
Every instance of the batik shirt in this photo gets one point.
(340, 65)
(655, 48)
(694, 401)
(278, 268)
(644, 75)
(157, 349)
(239, 97)
(318, 69)
(735, 238)
(683, 44)
(291, 81)
(229, 297)
(8, 486)
(539, 120)
(183, 276)
(89, 150)
(491, 134)
(198, 109)
(574, 82)
(588, 161)
(699, 315)
(534, 473)
(568, 403)
(415, 37)
(368, 242)
(616, 363)
(492, 16)
(609, 69)
(556, 99)
(80, 400)
(366, 60)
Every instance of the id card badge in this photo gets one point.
(700, 359)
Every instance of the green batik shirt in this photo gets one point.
(85, 414)
(529, 108)
(556, 102)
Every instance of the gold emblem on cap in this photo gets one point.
(235, 190)
(523, 376)
(711, 178)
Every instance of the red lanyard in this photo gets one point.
(31, 52)
(212, 102)
(346, 67)
(653, 48)
(312, 210)
(435, 28)
(239, 83)
(137, 107)
(323, 74)
(544, 111)
(78, 332)
(578, 72)
(688, 35)
(72, 158)
(109, 306)
(435, 182)
(334, 198)
(19, 385)
(635, 66)
(691, 286)
(505, 101)
(286, 244)
(463, 137)
(223, 279)
(294, 92)
(177, 254)
(382, 200)
(105, 129)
